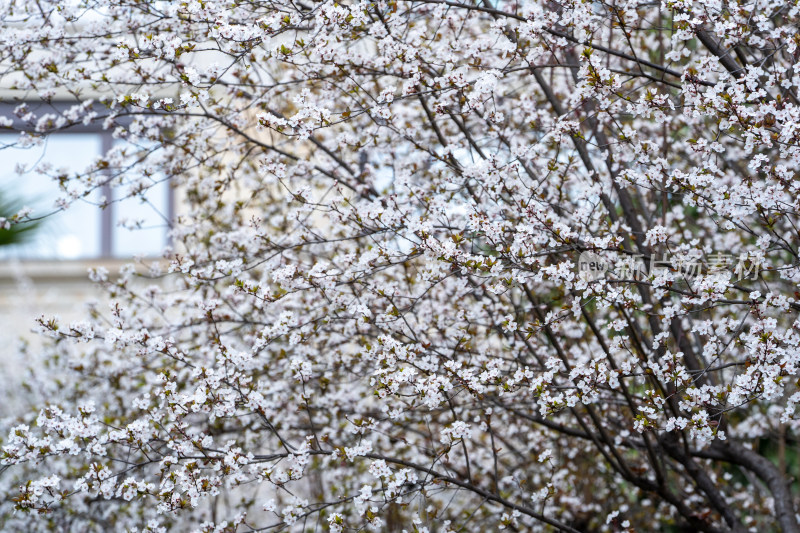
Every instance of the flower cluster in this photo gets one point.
(369, 317)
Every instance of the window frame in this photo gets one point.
(94, 127)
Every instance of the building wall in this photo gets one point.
(31, 289)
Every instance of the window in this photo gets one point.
(125, 228)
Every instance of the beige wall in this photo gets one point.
(29, 289)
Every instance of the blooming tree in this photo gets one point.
(373, 315)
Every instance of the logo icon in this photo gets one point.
(591, 266)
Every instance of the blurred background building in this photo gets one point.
(46, 273)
